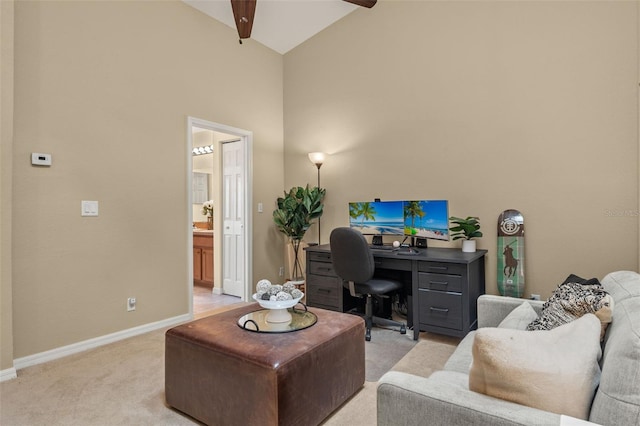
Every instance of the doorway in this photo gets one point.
(208, 181)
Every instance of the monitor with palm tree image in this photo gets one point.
(377, 217)
(427, 219)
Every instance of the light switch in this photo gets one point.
(89, 208)
(260, 208)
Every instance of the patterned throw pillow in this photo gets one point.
(572, 299)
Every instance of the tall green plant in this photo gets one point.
(294, 216)
(297, 209)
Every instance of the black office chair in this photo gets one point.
(353, 262)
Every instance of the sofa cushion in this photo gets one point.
(554, 370)
(573, 298)
(622, 285)
(617, 400)
(520, 317)
(460, 360)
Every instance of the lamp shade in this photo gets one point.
(317, 158)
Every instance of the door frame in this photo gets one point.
(246, 137)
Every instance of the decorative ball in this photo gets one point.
(283, 295)
(273, 298)
(265, 296)
(263, 285)
(295, 293)
(396, 244)
(274, 289)
(288, 287)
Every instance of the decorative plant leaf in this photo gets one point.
(297, 209)
(467, 228)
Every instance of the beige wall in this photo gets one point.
(100, 86)
(430, 94)
(6, 136)
(491, 105)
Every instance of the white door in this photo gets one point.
(233, 194)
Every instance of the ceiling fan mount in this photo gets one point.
(245, 10)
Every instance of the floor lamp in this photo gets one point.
(318, 158)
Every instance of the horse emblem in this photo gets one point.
(510, 262)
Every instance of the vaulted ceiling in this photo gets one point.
(281, 24)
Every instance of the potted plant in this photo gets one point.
(207, 210)
(468, 229)
(294, 215)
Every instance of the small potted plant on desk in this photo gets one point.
(293, 217)
(468, 229)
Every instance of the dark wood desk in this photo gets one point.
(442, 285)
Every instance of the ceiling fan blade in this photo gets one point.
(363, 3)
(243, 13)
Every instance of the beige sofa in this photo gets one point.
(445, 399)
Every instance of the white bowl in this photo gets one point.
(277, 304)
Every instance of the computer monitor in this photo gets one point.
(377, 217)
(427, 219)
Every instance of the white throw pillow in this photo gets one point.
(555, 370)
(520, 317)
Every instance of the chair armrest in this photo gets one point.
(445, 399)
(493, 309)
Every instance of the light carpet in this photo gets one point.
(385, 349)
(123, 383)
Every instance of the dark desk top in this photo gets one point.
(430, 254)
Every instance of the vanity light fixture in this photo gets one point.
(201, 150)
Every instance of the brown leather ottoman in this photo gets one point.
(221, 374)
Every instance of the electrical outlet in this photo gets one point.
(131, 304)
(535, 297)
(281, 271)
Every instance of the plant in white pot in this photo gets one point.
(294, 215)
(468, 229)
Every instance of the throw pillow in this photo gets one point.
(555, 370)
(570, 300)
(519, 318)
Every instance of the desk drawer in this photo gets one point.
(441, 309)
(440, 282)
(442, 268)
(395, 264)
(315, 256)
(323, 290)
(322, 268)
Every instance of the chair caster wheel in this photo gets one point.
(403, 329)
(367, 336)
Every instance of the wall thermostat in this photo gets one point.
(38, 159)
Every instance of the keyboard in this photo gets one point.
(382, 248)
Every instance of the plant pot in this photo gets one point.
(296, 259)
(469, 246)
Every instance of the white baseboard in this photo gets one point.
(63, 351)
(217, 290)
(8, 374)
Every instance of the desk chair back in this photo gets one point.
(353, 262)
(352, 259)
